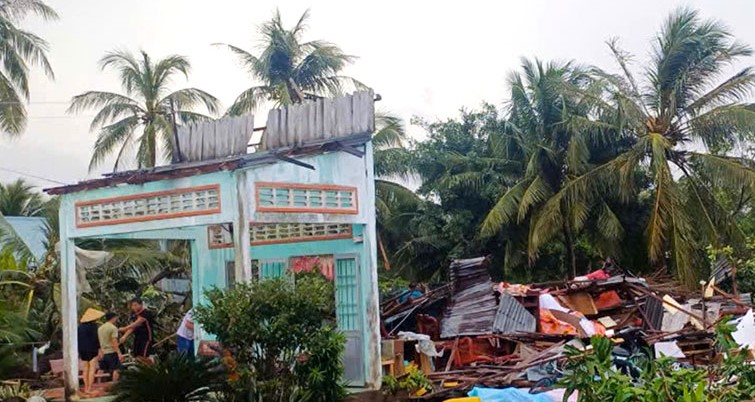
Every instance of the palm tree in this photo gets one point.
(20, 49)
(392, 199)
(681, 118)
(290, 70)
(20, 199)
(148, 106)
(545, 150)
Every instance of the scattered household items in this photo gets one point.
(496, 341)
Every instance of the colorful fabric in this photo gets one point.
(551, 325)
(608, 300)
(325, 264)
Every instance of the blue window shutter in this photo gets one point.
(272, 268)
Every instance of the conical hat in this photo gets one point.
(91, 315)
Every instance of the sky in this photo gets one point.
(426, 59)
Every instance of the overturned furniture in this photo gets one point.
(307, 199)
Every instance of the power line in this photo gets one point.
(33, 176)
(36, 103)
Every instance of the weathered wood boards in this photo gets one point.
(294, 125)
(214, 139)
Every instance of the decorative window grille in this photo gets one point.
(271, 233)
(220, 236)
(149, 206)
(288, 197)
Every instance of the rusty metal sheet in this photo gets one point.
(511, 317)
(473, 305)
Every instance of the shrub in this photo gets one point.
(593, 376)
(176, 378)
(283, 349)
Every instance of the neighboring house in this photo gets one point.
(32, 231)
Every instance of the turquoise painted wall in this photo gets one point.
(209, 266)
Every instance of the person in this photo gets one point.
(413, 293)
(142, 324)
(185, 334)
(110, 350)
(89, 346)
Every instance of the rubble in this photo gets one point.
(513, 335)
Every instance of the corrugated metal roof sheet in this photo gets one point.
(511, 317)
(31, 230)
(472, 307)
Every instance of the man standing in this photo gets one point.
(111, 357)
(142, 324)
(185, 335)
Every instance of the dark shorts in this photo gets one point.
(87, 355)
(110, 363)
(142, 347)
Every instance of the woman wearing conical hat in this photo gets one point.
(89, 346)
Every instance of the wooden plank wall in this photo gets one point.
(325, 118)
(213, 139)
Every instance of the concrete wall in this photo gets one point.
(336, 168)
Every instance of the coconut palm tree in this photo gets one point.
(392, 199)
(19, 50)
(681, 117)
(147, 114)
(544, 150)
(289, 69)
(20, 199)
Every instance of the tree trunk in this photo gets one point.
(569, 243)
(297, 91)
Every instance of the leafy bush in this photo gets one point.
(737, 374)
(176, 378)
(414, 380)
(282, 347)
(18, 393)
(592, 374)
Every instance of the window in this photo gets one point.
(288, 197)
(149, 206)
(221, 236)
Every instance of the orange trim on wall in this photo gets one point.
(135, 219)
(323, 187)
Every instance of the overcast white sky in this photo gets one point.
(426, 58)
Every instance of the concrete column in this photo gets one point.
(69, 304)
(241, 236)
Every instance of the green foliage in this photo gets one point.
(21, 50)
(17, 393)
(277, 333)
(593, 376)
(291, 69)
(413, 381)
(742, 257)
(19, 198)
(736, 372)
(176, 378)
(147, 106)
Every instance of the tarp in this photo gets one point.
(85, 260)
(517, 395)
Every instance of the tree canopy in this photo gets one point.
(147, 115)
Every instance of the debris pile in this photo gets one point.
(513, 335)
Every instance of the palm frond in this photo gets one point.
(249, 100)
(119, 133)
(505, 210)
(189, 98)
